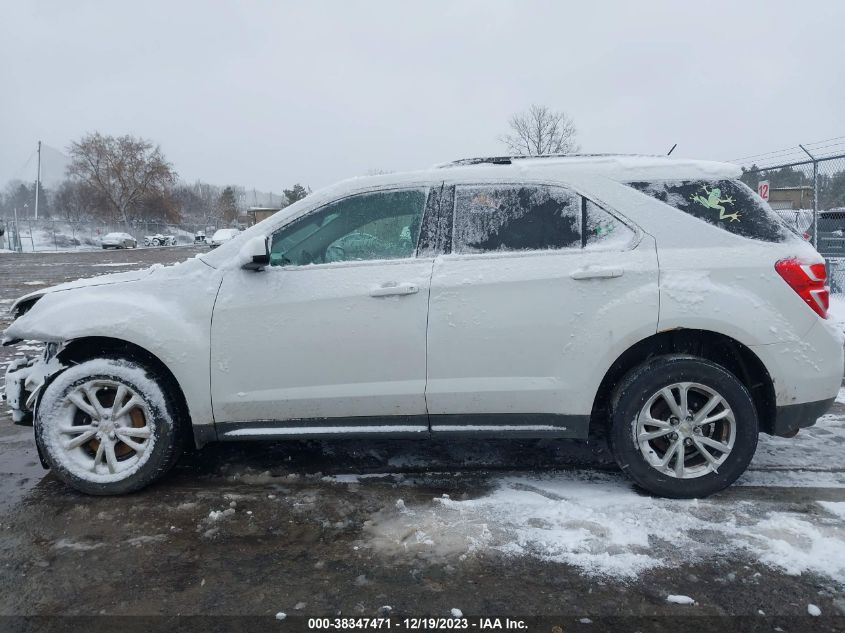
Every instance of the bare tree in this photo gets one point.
(125, 170)
(75, 200)
(541, 131)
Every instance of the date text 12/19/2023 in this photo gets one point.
(418, 624)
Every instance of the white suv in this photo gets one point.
(656, 301)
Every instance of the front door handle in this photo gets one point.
(597, 273)
(392, 288)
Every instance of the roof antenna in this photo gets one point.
(672, 150)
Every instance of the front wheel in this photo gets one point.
(683, 427)
(108, 426)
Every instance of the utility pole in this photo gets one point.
(38, 180)
(17, 246)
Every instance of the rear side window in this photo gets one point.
(602, 230)
(516, 218)
(728, 204)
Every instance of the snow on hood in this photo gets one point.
(111, 278)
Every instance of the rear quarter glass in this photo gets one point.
(729, 204)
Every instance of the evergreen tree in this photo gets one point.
(227, 205)
(297, 192)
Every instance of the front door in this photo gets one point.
(330, 338)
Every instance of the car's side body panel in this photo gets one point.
(311, 342)
(801, 368)
(147, 312)
(516, 334)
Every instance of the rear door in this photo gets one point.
(540, 291)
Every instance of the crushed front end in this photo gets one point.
(25, 377)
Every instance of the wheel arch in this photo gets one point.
(721, 349)
(86, 348)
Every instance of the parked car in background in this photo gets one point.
(221, 236)
(159, 240)
(199, 237)
(831, 232)
(658, 302)
(119, 240)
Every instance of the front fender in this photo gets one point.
(170, 318)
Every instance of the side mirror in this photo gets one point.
(255, 254)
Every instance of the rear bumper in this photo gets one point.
(792, 417)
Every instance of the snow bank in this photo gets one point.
(599, 524)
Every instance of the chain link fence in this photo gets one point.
(810, 196)
(27, 235)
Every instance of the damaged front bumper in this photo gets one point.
(25, 378)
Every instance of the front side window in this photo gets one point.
(370, 226)
(515, 218)
(728, 204)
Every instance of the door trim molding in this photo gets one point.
(488, 425)
(359, 426)
(516, 425)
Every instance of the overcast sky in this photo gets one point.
(266, 94)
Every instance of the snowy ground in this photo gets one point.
(488, 528)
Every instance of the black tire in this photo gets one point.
(161, 414)
(634, 392)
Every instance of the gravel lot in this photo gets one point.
(516, 529)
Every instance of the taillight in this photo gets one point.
(808, 280)
(806, 236)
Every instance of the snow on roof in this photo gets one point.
(622, 167)
(617, 167)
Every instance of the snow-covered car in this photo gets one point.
(655, 301)
(222, 236)
(159, 240)
(118, 240)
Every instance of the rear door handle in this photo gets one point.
(597, 273)
(391, 288)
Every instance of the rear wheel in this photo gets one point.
(108, 426)
(683, 426)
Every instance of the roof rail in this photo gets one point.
(507, 160)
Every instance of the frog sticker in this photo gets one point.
(712, 199)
